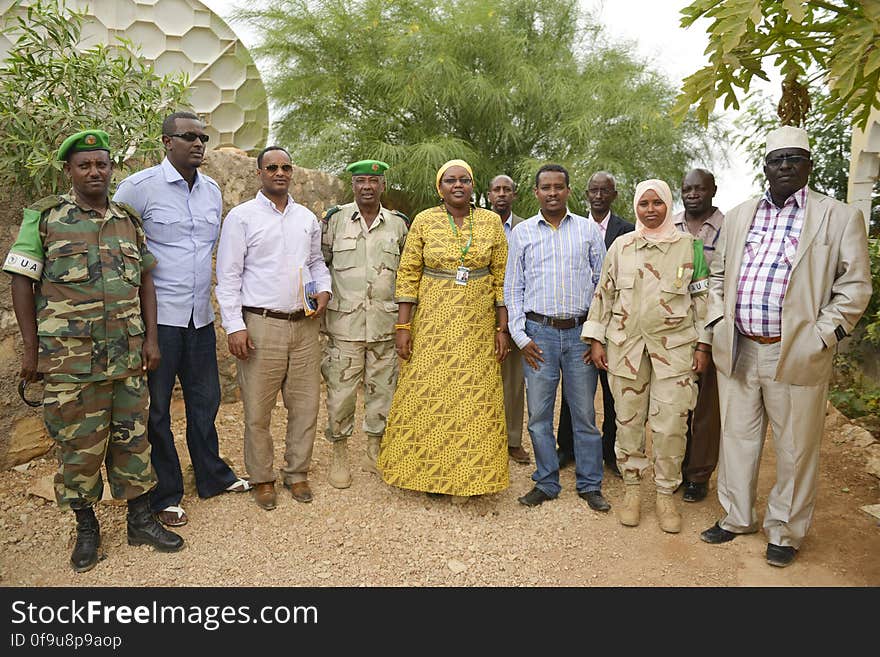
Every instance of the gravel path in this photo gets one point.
(374, 535)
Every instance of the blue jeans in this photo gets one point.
(189, 354)
(563, 352)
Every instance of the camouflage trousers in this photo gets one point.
(661, 403)
(99, 422)
(345, 366)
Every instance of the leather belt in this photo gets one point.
(295, 316)
(571, 322)
(760, 339)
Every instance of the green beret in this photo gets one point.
(367, 168)
(87, 140)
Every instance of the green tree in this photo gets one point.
(832, 42)
(830, 142)
(50, 88)
(507, 86)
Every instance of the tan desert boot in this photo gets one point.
(340, 474)
(630, 510)
(667, 515)
(372, 455)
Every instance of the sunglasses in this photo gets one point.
(272, 168)
(191, 136)
(792, 159)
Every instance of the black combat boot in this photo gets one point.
(144, 529)
(88, 540)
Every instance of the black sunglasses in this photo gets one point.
(272, 168)
(191, 136)
(792, 159)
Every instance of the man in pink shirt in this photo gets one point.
(268, 262)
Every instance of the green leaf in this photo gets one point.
(795, 9)
(49, 89)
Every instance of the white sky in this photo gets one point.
(653, 26)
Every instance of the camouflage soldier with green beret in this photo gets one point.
(86, 307)
(361, 242)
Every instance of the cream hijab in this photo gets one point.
(666, 231)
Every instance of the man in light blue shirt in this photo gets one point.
(553, 268)
(181, 211)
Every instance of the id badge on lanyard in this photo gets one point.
(462, 273)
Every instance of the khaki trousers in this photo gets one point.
(514, 395)
(287, 358)
(750, 398)
(661, 403)
(346, 365)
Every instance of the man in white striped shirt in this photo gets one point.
(553, 267)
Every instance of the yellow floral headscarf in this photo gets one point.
(665, 232)
(450, 164)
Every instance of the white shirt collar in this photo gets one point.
(265, 200)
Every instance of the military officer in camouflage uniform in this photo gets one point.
(361, 242)
(86, 307)
(648, 312)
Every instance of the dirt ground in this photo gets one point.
(375, 535)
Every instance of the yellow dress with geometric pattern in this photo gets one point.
(446, 431)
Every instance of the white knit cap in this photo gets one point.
(787, 136)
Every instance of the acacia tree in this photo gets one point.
(505, 85)
(50, 88)
(829, 42)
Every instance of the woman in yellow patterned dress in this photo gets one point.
(445, 432)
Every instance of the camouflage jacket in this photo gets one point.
(363, 267)
(650, 295)
(88, 273)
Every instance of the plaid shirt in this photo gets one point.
(770, 248)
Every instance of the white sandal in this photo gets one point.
(172, 516)
(239, 486)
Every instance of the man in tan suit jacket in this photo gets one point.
(790, 279)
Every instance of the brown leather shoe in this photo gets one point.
(264, 494)
(519, 455)
(301, 491)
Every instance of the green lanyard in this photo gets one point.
(467, 247)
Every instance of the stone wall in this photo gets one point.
(236, 173)
(22, 435)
